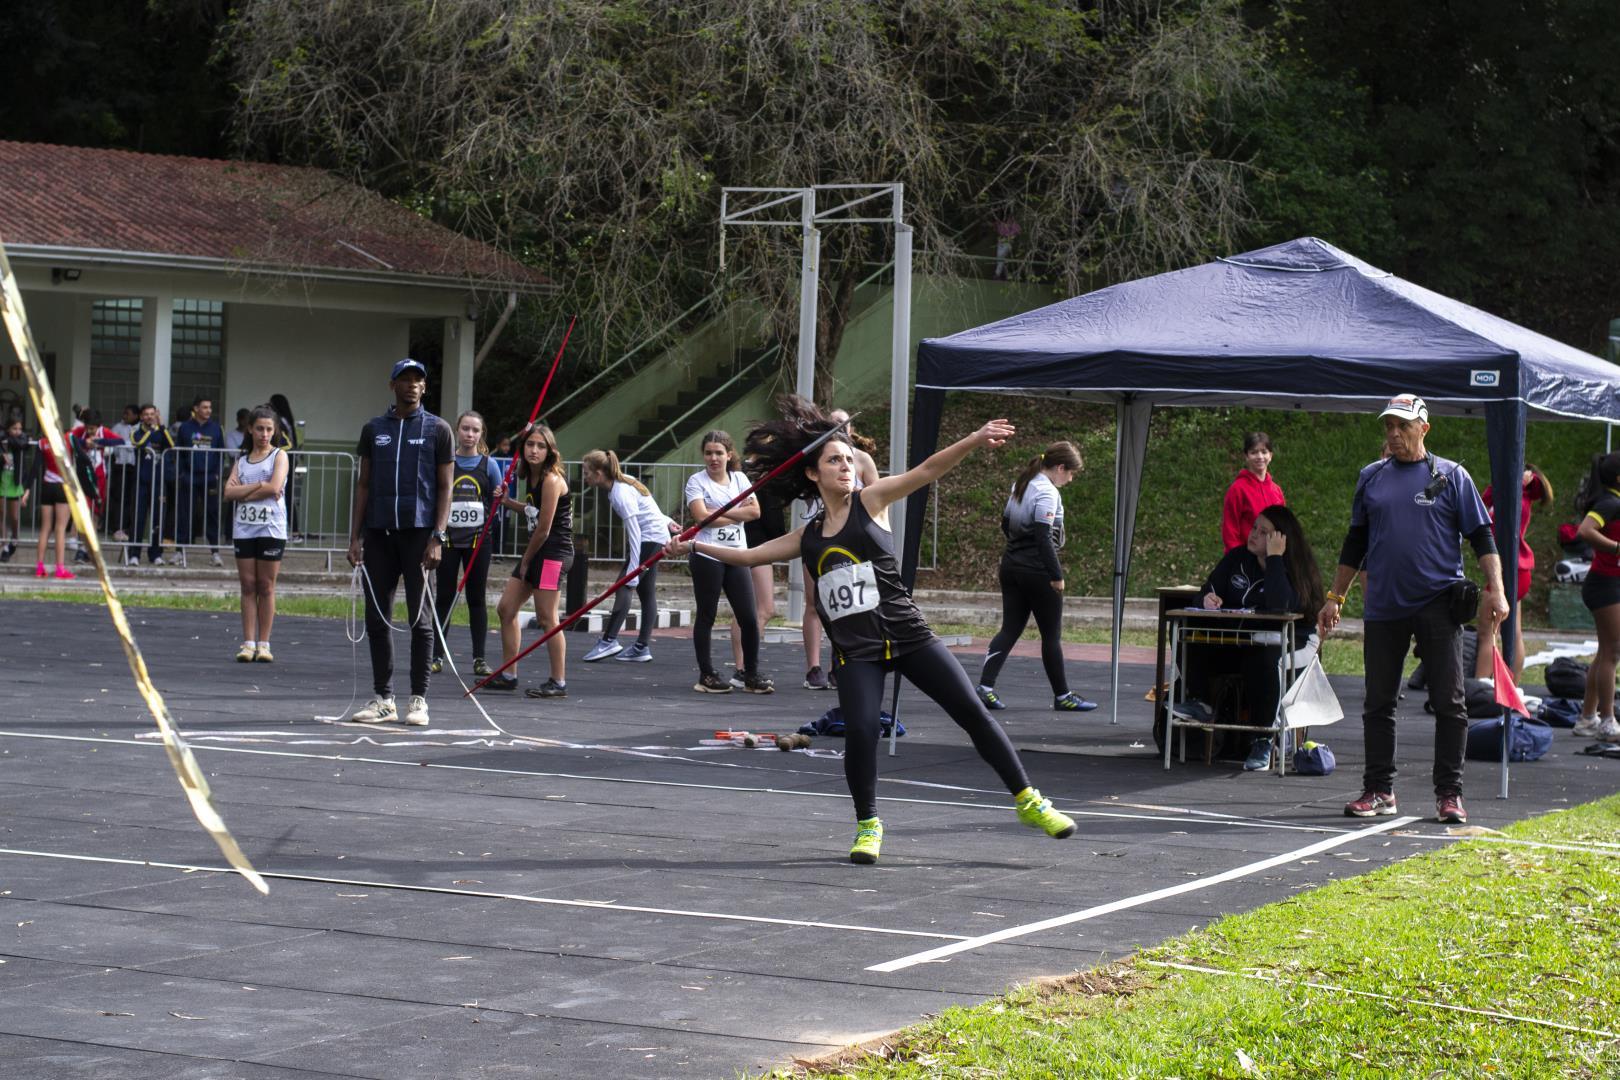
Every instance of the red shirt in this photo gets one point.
(1244, 500)
(1531, 494)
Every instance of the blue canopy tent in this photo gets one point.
(1299, 325)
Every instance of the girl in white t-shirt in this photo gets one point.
(707, 491)
(257, 484)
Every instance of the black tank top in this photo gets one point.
(560, 541)
(856, 580)
(467, 489)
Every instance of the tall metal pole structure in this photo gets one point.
(809, 284)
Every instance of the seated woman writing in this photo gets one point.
(1273, 571)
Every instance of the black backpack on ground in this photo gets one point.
(1566, 678)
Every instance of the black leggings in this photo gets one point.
(647, 590)
(477, 594)
(1024, 594)
(934, 671)
(391, 554)
(709, 577)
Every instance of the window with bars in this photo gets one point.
(197, 356)
(115, 356)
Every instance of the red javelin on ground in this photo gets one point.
(686, 534)
(511, 466)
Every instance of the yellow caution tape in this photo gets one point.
(190, 775)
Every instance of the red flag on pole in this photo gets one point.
(1507, 694)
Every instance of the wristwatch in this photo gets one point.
(441, 536)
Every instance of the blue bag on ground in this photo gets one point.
(1313, 759)
(1559, 712)
(1530, 740)
(831, 723)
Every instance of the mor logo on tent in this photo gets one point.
(1484, 378)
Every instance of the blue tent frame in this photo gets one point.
(1299, 325)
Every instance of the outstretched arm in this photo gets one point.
(782, 549)
(876, 497)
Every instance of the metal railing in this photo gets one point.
(673, 425)
(171, 507)
(654, 338)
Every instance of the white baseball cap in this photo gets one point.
(1407, 407)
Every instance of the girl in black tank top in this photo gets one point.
(874, 625)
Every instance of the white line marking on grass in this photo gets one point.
(1135, 901)
(1182, 818)
(595, 905)
(1313, 985)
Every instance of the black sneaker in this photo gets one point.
(738, 681)
(548, 689)
(988, 697)
(758, 684)
(7, 552)
(502, 682)
(711, 683)
(436, 665)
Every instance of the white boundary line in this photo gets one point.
(597, 905)
(1182, 817)
(1010, 932)
(1313, 985)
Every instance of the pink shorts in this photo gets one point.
(546, 574)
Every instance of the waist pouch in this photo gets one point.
(1462, 599)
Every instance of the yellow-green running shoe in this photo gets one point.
(1036, 812)
(868, 839)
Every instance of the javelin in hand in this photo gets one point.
(686, 534)
(511, 466)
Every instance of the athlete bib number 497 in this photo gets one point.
(466, 515)
(848, 590)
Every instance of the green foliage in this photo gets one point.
(1525, 931)
(1192, 456)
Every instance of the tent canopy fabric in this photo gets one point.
(1300, 324)
(1297, 325)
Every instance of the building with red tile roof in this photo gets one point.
(152, 277)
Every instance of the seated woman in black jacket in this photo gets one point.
(1273, 571)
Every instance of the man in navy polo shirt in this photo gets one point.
(401, 508)
(1408, 516)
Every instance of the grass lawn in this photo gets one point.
(1527, 931)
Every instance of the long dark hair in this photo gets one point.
(774, 441)
(1298, 560)
(1605, 473)
(553, 462)
(283, 409)
(1062, 452)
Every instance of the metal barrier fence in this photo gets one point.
(170, 506)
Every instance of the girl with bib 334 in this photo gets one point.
(257, 485)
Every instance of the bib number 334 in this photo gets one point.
(848, 590)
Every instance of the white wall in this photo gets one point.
(50, 317)
(332, 365)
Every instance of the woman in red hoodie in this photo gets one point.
(1251, 492)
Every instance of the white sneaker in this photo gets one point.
(214, 559)
(131, 560)
(603, 649)
(416, 713)
(379, 710)
(1609, 730)
(1587, 727)
(157, 560)
(179, 558)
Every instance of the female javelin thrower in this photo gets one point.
(874, 626)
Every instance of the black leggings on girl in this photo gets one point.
(646, 589)
(934, 671)
(1023, 595)
(450, 565)
(709, 578)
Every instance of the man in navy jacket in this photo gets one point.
(401, 509)
(199, 478)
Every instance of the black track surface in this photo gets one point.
(115, 970)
